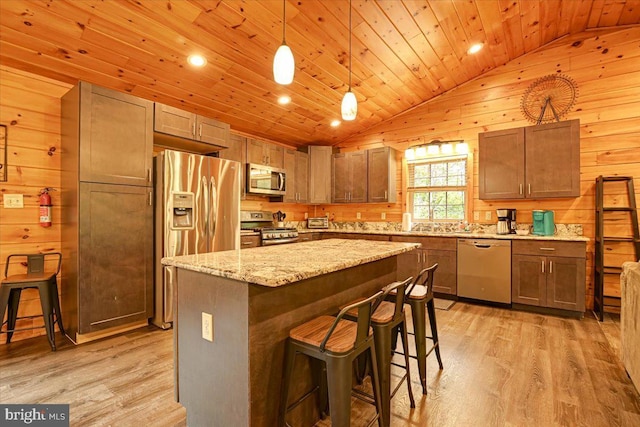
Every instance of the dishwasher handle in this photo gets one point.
(481, 246)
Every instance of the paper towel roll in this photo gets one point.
(406, 221)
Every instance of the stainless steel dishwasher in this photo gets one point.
(484, 269)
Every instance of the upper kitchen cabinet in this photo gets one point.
(265, 153)
(381, 182)
(296, 165)
(172, 123)
(319, 174)
(116, 131)
(533, 162)
(349, 177)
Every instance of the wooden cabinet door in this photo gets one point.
(528, 280)
(566, 283)
(291, 193)
(501, 164)
(340, 178)
(552, 153)
(381, 175)
(212, 132)
(174, 121)
(302, 176)
(444, 279)
(249, 242)
(236, 148)
(275, 155)
(115, 256)
(116, 134)
(319, 174)
(358, 176)
(409, 264)
(256, 152)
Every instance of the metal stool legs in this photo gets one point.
(418, 315)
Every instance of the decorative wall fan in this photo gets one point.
(549, 98)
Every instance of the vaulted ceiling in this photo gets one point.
(404, 52)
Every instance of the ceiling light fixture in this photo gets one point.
(475, 48)
(284, 100)
(436, 148)
(349, 101)
(197, 60)
(283, 63)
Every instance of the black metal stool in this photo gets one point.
(419, 296)
(337, 342)
(387, 317)
(35, 277)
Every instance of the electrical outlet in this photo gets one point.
(207, 326)
(306, 215)
(358, 216)
(13, 201)
(476, 216)
(383, 215)
(487, 215)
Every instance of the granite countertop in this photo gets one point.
(279, 265)
(468, 235)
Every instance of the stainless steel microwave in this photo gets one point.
(265, 180)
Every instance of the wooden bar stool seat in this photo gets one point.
(336, 343)
(419, 296)
(388, 317)
(12, 286)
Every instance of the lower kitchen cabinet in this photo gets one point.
(250, 241)
(440, 250)
(307, 237)
(549, 274)
(110, 284)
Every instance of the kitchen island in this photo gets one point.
(255, 297)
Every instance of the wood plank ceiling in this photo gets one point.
(405, 52)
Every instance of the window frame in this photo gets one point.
(409, 191)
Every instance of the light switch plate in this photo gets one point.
(207, 326)
(383, 215)
(13, 201)
(358, 216)
(476, 216)
(487, 215)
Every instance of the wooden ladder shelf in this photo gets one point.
(601, 299)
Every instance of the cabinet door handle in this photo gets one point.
(550, 267)
(521, 188)
(529, 188)
(193, 129)
(200, 131)
(547, 249)
(543, 266)
(385, 195)
(150, 198)
(149, 175)
(246, 243)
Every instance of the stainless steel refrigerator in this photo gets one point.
(197, 210)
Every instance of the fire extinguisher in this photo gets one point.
(45, 207)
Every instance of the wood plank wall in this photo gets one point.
(606, 68)
(30, 108)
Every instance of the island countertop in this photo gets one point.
(279, 265)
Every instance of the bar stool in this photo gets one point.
(387, 317)
(419, 296)
(337, 342)
(36, 277)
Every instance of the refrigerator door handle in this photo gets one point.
(204, 208)
(211, 206)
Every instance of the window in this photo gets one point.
(437, 189)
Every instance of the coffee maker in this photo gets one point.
(506, 221)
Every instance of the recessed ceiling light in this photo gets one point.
(475, 48)
(335, 123)
(197, 60)
(284, 100)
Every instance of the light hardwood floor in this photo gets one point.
(501, 368)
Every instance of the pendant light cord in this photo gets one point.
(349, 45)
(284, 9)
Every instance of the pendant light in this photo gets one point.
(283, 62)
(349, 101)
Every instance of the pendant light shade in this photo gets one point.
(283, 63)
(349, 106)
(349, 102)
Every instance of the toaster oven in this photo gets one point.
(322, 222)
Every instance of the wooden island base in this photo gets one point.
(235, 380)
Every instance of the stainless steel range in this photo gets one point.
(262, 222)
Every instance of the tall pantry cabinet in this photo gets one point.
(107, 233)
